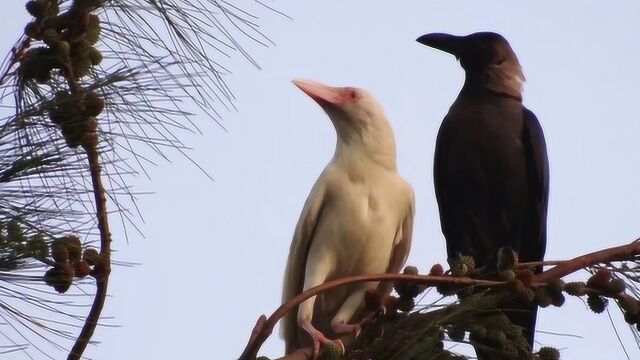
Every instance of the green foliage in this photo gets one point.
(14, 245)
(331, 351)
(420, 335)
(17, 246)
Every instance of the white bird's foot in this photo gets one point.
(318, 338)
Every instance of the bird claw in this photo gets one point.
(318, 338)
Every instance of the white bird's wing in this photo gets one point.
(402, 243)
(302, 239)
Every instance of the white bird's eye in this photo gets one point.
(352, 94)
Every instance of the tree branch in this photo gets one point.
(103, 268)
(618, 253)
(264, 327)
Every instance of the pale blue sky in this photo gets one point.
(214, 253)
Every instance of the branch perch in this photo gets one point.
(264, 326)
(618, 253)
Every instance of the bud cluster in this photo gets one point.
(68, 48)
(69, 261)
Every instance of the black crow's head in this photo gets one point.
(486, 57)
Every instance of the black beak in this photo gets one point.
(451, 44)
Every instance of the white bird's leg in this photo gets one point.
(305, 313)
(340, 324)
(315, 275)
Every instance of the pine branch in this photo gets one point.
(264, 327)
(544, 289)
(159, 58)
(103, 268)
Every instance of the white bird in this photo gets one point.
(358, 219)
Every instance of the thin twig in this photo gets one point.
(618, 253)
(103, 268)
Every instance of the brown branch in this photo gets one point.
(530, 264)
(264, 327)
(618, 253)
(103, 268)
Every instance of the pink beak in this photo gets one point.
(322, 94)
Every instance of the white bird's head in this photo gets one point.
(358, 118)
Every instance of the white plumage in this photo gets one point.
(358, 219)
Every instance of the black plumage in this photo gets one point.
(491, 169)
